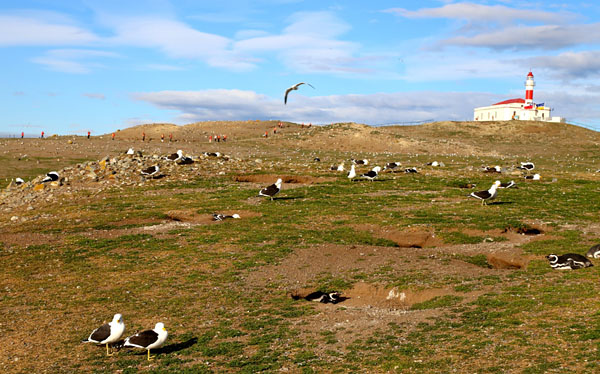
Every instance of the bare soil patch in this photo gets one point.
(374, 295)
(291, 179)
(413, 237)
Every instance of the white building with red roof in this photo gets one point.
(517, 109)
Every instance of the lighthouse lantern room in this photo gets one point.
(517, 109)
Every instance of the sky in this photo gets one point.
(69, 67)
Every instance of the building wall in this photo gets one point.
(507, 111)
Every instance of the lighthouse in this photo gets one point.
(517, 109)
(529, 84)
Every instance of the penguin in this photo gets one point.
(568, 261)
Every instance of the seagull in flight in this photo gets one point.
(294, 87)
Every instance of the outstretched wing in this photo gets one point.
(286, 94)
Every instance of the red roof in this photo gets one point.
(530, 74)
(511, 101)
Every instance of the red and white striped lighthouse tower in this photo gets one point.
(529, 83)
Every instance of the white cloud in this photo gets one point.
(97, 96)
(310, 44)
(162, 67)
(18, 30)
(481, 13)
(371, 109)
(568, 65)
(546, 37)
(76, 61)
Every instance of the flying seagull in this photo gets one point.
(148, 339)
(294, 87)
(108, 333)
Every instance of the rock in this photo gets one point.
(14, 218)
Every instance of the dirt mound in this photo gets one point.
(506, 261)
(412, 237)
(191, 216)
(373, 295)
(525, 230)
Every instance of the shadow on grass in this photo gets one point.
(178, 346)
(501, 203)
(288, 198)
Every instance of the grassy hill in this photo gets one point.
(433, 281)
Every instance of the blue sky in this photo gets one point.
(73, 66)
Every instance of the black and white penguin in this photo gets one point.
(568, 261)
(50, 177)
(222, 217)
(594, 252)
(324, 297)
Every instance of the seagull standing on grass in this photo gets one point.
(271, 190)
(148, 339)
(484, 196)
(293, 88)
(108, 333)
(372, 174)
(352, 173)
(391, 165)
(340, 167)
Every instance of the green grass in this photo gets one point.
(226, 312)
